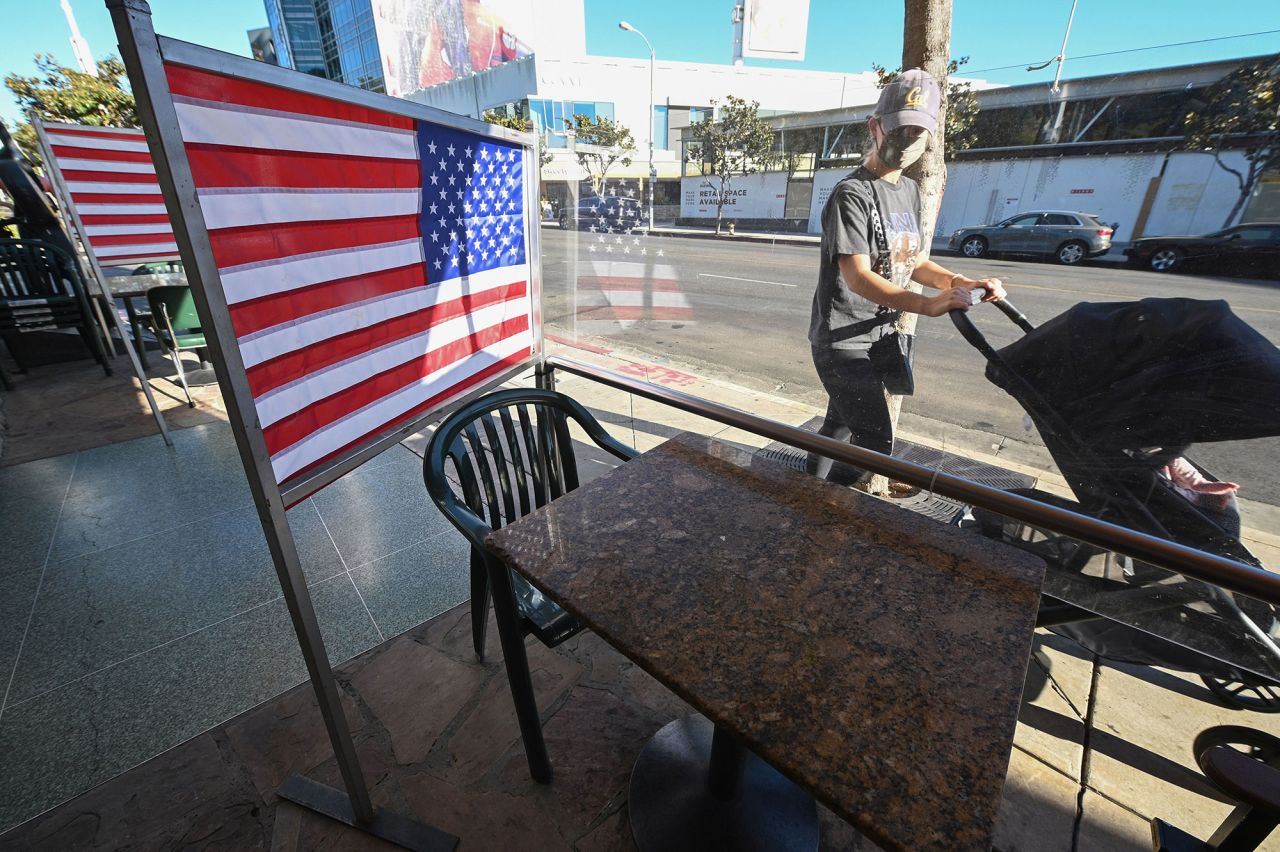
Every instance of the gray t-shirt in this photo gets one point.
(841, 319)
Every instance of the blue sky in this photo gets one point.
(844, 35)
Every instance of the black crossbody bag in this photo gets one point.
(891, 351)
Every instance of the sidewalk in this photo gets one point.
(645, 424)
(1101, 748)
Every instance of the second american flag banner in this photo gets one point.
(374, 265)
(112, 182)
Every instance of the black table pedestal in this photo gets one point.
(694, 790)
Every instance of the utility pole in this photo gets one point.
(653, 172)
(1055, 131)
(739, 25)
(79, 46)
(1056, 89)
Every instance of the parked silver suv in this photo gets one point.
(1066, 235)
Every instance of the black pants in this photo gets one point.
(856, 410)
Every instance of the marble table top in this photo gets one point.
(874, 656)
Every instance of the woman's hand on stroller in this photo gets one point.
(994, 288)
(957, 298)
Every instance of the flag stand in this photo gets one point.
(144, 56)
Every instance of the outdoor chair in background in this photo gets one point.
(1244, 764)
(176, 325)
(488, 464)
(41, 290)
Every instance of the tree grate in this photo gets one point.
(925, 503)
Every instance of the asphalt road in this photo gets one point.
(749, 318)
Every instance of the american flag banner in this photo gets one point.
(626, 279)
(112, 182)
(375, 265)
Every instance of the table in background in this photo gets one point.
(873, 656)
(130, 287)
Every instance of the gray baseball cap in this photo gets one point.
(912, 98)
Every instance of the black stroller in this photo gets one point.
(1118, 391)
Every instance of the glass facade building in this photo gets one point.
(328, 38)
(549, 116)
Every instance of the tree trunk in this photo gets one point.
(1247, 183)
(720, 206)
(926, 43)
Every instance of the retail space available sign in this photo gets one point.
(758, 196)
(824, 181)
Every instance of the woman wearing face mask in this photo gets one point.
(854, 303)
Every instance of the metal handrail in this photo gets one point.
(1218, 570)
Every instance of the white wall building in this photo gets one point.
(683, 93)
(1111, 146)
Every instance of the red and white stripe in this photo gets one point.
(112, 181)
(618, 294)
(312, 209)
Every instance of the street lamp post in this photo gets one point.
(653, 173)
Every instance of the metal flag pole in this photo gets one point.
(73, 216)
(140, 51)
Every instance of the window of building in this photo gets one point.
(549, 117)
(660, 127)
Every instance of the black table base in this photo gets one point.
(695, 790)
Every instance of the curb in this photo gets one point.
(776, 239)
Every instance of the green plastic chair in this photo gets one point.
(488, 464)
(177, 326)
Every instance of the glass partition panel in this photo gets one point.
(1112, 213)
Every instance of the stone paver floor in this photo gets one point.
(137, 611)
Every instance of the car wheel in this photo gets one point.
(973, 247)
(564, 221)
(1069, 254)
(1165, 260)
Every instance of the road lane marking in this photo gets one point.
(751, 280)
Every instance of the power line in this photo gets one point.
(1129, 50)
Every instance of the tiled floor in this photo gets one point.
(438, 740)
(138, 608)
(139, 605)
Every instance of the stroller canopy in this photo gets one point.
(1154, 373)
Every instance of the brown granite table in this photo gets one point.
(873, 656)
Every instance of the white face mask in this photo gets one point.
(896, 155)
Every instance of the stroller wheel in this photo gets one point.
(1256, 695)
(1252, 742)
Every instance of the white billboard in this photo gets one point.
(775, 29)
(758, 196)
(427, 42)
(823, 182)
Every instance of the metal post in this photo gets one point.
(727, 765)
(69, 209)
(1062, 54)
(739, 25)
(652, 61)
(653, 173)
(575, 191)
(1056, 90)
(140, 51)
